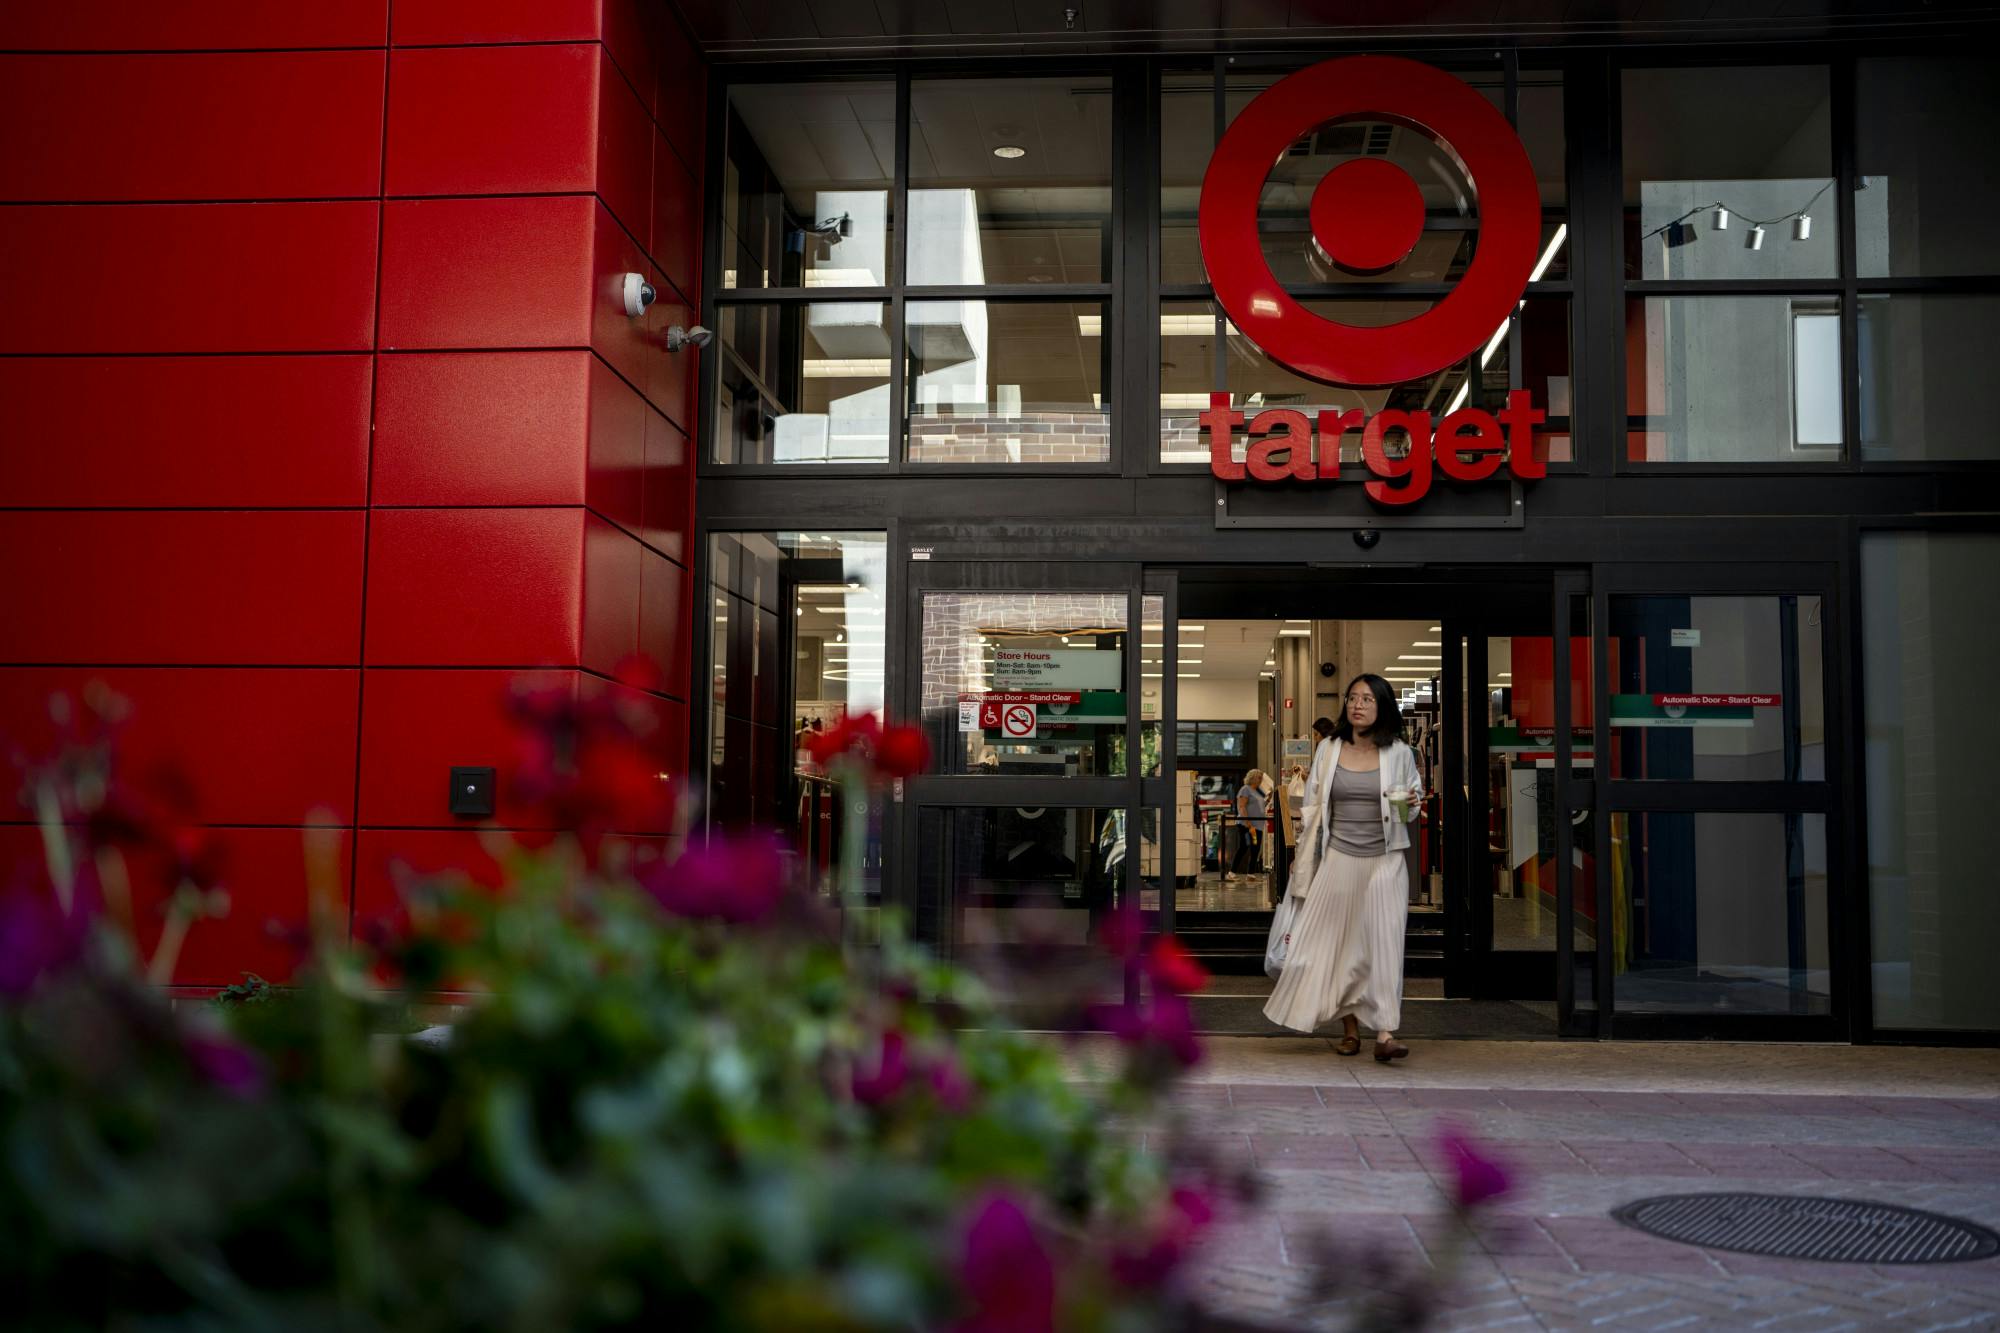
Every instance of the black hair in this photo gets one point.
(1388, 728)
(1324, 726)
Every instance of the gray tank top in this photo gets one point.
(1355, 808)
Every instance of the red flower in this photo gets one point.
(1165, 1027)
(1173, 968)
(591, 759)
(886, 752)
(891, 1070)
(1008, 1278)
(902, 752)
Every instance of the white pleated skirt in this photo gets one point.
(1346, 953)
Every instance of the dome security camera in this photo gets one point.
(637, 294)
(1366, 538)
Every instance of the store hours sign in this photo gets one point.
(1366, 215)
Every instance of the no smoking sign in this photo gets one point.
(1017, 721)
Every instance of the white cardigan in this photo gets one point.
(1398, 769)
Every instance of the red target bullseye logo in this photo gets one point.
(1367, 215)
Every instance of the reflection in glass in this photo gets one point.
(803, 383)
(1930, 615)
(1924, 364)
(1733, 379)
(1010, 181)
(1058, 655)
(818, 599)
(1929, 165)
(1717, 689)
(807, 170)
(1754, 140)
(1721, 913)
(1008, 382)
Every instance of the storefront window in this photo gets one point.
(1717, 689)
(1923, 368)
(806, 191)
(1010, 181)
(1014, 382)
(1055, 658)
(1930, 615)
(1929, 164)
(1729, 173)
(1733, 379)
(803, 382)
(797, 638)
(1720, 913)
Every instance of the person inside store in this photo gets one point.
(1345, 957)
(1252, 804)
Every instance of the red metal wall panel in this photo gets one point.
(260, 745)
(616, 484)
(663, 619)
(631, 346)
(482, 428)
(676, 236)
(493, 119)
(630, 30)
(668, 500)
(190, 25)
(475, 587)
(416, 725)
(387, 859)
(188, 278)
(683, 98)
(221, 431)
(488, 273)
(265, 876)
(470, 22)
(611, 565)
(625, 134)
(267, 125)
(231, 587)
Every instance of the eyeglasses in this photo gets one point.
(1354, 699)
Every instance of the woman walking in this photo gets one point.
(1346, 955)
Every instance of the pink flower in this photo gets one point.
(224, 1062)
(1007, 1276)
(891, 1070)
(949, 1084)
(738, 878)
(1477, 1177)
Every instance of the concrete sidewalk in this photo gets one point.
(1346, 1149)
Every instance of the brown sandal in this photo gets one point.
(1385, 1051)
(1347, 1046)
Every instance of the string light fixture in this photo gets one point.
(1680, 231)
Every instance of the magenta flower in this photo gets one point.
(874, 1086)
(1165, 1246)
(1476, 1177)
(36, 939)
(224, 1062)
(1008, 1278)
(949, 1084)
(735, 878)
(1166, 1025)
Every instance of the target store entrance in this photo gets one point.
(1538, 889)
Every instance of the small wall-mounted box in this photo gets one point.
(472, 792)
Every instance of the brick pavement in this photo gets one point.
(1347, 1150)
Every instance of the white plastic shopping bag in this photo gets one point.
(1279, 945)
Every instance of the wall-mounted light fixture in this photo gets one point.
(698, 336)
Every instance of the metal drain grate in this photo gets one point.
(1803, 1226)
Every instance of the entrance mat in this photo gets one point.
(1805, 1226)
(1489, 1020)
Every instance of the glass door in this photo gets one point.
(1038, 820)
(1720, 873)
